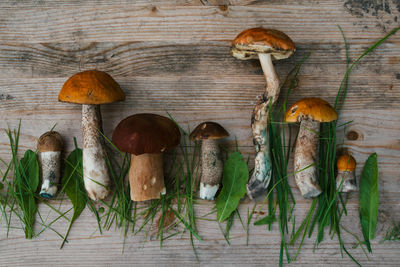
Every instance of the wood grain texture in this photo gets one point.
(174, 56)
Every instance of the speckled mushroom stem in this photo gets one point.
(50, 162)
(261, 177)
(305, 158)
(211, 169)
(146, 177)
(349, 181)
(95, 171)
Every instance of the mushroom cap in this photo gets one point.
(50, 141)
(91, 87)
(346, 163)
(208, 130)
(249, 43)
(312, 108)
(146, 133)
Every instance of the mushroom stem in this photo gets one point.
(305, 157)
(95, 172)
(349, 181)
(272, 89)
(146, 177)
(259, 181)
(50, 166)
(211, 169)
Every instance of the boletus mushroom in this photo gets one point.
(49, 146)
(146, 137)
(91, 89)
(346, 168)
(211, 164)
(310, 112)
(264, 44)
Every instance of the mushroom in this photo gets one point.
(49, 148)
(92, 88)
(211, 164)
(264, 44)
(346, 166)
(310, 112)
(146, 137)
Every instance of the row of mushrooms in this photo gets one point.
(146, 136)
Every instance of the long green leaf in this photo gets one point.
(26, 185)
(234, 179)
(73, 186)
(369, 199)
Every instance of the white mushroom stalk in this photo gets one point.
(264, 44)
(50, 162)
(211, 169)
(349, 181)
(146, 176)
(261, 177)
(305, 158)
(95, 171)
(49, 154)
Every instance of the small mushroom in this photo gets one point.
(346, 166)
(310, 112)
(91, 89)
(146, 137)
(211, 164)
(264, 44)
(49, 148)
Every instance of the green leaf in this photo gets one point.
(73, 185)
(266, 220)
(235, 177)
(26, 183)
(369, 199)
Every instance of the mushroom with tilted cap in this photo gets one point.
(211, 164)
(346, 167)
(310, 112)
(264, 44)
(146, 137)
(92, 88)
(49, 146)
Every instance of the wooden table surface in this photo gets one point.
(174, 56)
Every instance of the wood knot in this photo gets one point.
(354, 135)
(223, 8)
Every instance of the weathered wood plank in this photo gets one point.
(182, 24)
(130, 59)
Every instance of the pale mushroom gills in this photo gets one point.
(50, 145)
(91, 89)
(264, 44)
(211, 164)
(346, 173)
(146, 136)
(310, 112)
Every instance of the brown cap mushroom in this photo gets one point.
(312, 108)
(310, 112)
(346, 163)
(249, 43)
(49, 146)
(208, 130)
(50, 141)
(211, 164)
(92, 88)
(264, 44)
(346, 166)
(146, 136)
